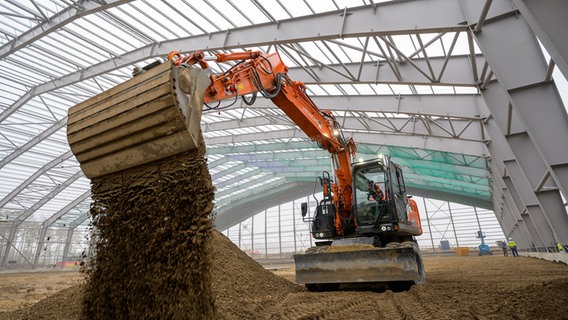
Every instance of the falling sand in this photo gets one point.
(152, 230)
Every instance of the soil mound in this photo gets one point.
(243, 289)
(63, 305)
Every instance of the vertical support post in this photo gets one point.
(294, 224)
(266, 234)
(453, 225)
(537, 123)
(240, 225)
(279, 232)
(40, 243)
(429, 227)
(252, 236)
(68, 239)
(9, 244)
(309, 233)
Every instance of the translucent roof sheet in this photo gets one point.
(407, 92)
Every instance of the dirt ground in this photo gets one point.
(21, 290)
(488, 287)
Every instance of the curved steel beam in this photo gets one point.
(56, 22)
(30, 144)
(34, 176)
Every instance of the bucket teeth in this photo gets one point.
(152, 116)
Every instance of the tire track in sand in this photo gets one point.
(328, 306)
(408, 306)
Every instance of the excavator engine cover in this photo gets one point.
(154, 115)
(360, 266)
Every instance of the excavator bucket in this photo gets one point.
(386, 265)
(154, 115)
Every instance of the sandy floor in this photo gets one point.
(488, 287)
(19, 290)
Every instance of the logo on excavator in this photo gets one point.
(312, 117)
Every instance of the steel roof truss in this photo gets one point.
(55, 22)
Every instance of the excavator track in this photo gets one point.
(152, 116)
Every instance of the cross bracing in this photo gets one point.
(426, 82)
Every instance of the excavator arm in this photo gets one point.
(257, 72)
(157, 114)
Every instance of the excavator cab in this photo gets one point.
(371, 202)
(380, 205)
(380, 201)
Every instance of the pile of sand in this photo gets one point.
(243, 289)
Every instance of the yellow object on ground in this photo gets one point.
(462, 251)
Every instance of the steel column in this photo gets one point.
(69, 237)
(265, 233)
(547, 19)
(503, 161)
(294, 224)
(453, 226)
(429, 226)
(70, 232)
(279, 233)
(531, 115)
(41, 241)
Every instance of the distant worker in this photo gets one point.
(504, 247)
(513, 247)
(560, 247)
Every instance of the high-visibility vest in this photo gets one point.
(512, 243)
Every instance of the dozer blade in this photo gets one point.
(154, 115)
(374, 265)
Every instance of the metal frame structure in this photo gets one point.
(460, 86)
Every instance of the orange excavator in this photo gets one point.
(364, 223)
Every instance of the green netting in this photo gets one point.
(440, 171)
